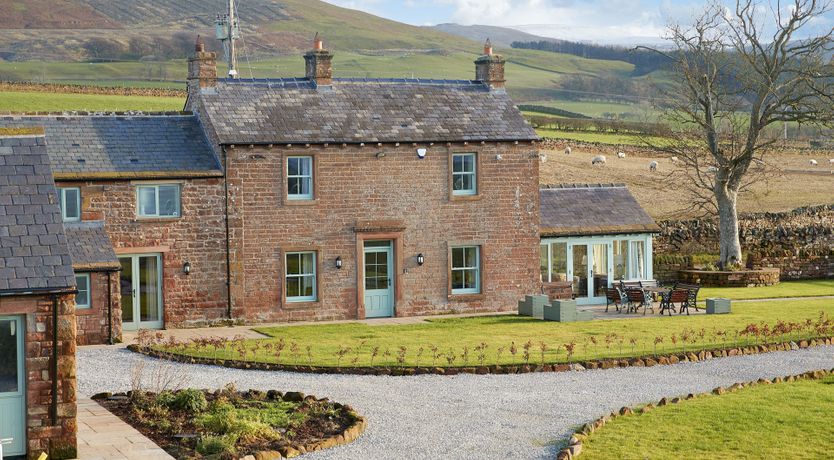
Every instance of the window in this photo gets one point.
(554, 262)
(621, 260)
(464, 174)
(70, 202)
(82, 298)
(638, 260)
(466, 270)
(158, 200)
(301, 276)
(300, 178)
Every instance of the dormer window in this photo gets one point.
(70, 203)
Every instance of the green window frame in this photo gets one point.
(82, 298)
(464, 174)
(162, 200)
(70, 203)
(300, 276)
(466, 270)
(300, 177)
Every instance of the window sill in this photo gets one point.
(466, 297)
(474, 197)
(156, 219)
(305, 202)
(300, 304)
(84, 310)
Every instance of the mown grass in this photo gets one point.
(57, 102)
(785, 289)
(321, 345)
(785, 420)
(598, 137)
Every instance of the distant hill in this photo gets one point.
(500, 36)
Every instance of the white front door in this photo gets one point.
(378, 276)
(590, 270)
(12, 386)
(141, 288)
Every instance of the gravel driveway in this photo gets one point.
(466, 416)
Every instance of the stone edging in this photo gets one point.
(574, 448)
(350, 434)
(642, 361)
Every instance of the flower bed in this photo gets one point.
(735, 278)
(228, 424)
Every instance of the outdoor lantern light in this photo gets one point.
(186, 267)
(420, 259)
(339, 262)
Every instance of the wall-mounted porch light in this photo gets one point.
(186, 267)
(420, 259)
(339, 262)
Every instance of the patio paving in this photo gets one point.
(103, 436)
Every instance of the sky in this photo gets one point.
(602, 21)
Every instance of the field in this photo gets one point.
(783, 420)
(49, 102)
(799, 184)
(460, 337)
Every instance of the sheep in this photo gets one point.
(674, 159)
(598, 160)
(653, 166)
(813, 162)
(568, 150)
(831, 161)
(620, 154)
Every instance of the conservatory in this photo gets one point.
(592, 236)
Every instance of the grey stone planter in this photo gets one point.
(718, 306)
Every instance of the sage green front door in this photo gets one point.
(12, 386)
(378, 278)
(141, 288)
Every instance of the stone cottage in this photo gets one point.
(37, 305)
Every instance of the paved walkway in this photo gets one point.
(465, 416)
(103, 436)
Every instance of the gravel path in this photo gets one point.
(466, 416)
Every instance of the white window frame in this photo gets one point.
(306, 177)
(62, 191)
(88, 290)
(473, 173)
(313, 275)
(155, 188)
(476, 268)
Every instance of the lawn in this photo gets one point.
(784, 420)
(600, 138)
(785, 289)
(51, 102)
(435, 342)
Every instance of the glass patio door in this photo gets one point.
(591, 271)
(141, 288)
(12, 386)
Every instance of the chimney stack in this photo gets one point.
(202, 67)
(319, 64)
(489, 68)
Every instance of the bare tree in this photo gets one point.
(737, 72)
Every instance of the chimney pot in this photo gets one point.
(318, 43)
(489, 68)
(488, 48)
(319, 64)
(199, 47)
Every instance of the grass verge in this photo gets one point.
(785, 289)
(765, 421)
(14, 101)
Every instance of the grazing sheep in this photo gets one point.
(620, 154)
(568, 150)
(653, 166)
(674, 159)
(813, 162)
(598, 160)
(831, 161)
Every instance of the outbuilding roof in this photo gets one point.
(33, 247)
(123, 146)
(90, 247)
(294, 110)
(592, 209)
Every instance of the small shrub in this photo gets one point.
(191, 400)
(217, 445)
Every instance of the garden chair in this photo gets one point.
(648, 283)
(629, 285)
(692, 300)
(639, 298)
(614, 296)
(675, 296)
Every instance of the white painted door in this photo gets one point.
(141, 288)
(590, 270)
(378, 276)
(12, 386)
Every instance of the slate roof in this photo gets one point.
(90, 247)
(362, 110)
(592, 209)
(131, 146)
(33, 247)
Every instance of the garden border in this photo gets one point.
(574, 447)
(606, 363)
(350, 434)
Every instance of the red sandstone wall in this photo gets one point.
(92, 322)
(352, 185)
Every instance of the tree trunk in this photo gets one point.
(728, 235)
